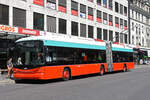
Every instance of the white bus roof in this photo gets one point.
(73, 41)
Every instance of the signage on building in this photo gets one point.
(82, 15)
(8, 28)
(39, 2)
(28, 31)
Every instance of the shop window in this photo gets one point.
(110, 35)
(90, 13)
(116, 7)
(105, 3)
(62, 26)
(121, 9)
(110, 4)
(99, 2)
(105, 34)
(90, 31)
(125, 24)
(82, 11)
(51, 24)
(74, 8)
(105, 18)
(110, 20)
(19, 17)
(83, 30)
(38, 21)
(4, 14)
(62, 5)
(74, 28)
(117, 36)
(99, 33)
(117, 22)
(51, 4)
(99, 16)
(121, 23)
(125, 11)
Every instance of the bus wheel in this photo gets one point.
(66, 74)
(102, 71)
(124, 68)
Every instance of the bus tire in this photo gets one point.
(102, 70)
(125, 68)
(66, 74)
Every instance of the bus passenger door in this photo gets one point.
(109, 59)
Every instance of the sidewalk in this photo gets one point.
(5, 80)
(141, 66)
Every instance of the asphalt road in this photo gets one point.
(132, 85)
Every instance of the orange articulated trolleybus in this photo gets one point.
(52, 57)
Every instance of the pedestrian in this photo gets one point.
(9, 67)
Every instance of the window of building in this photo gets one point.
(110, 35)
(132, 39)
(19, 17)
(38, 21)
(99, 16)
(125, 11)
(125, 38)
(74, 28)
(117, 22)
(133, 26)
(121, 9)
(125, 24)
(105, 34)
(105, 3)
(82, 11)
(74, 8)
(62, 26)
(117, 36)
(110, 4)
(90, 31)
(83, 30)
(51, 4)
(136, 15)
(133, 14)
(99, 2)
(62, 5)
(110, 20)
(4, 14)
(121, 23)
(99, 33)
(51, 24)
(121, 37)
(104, 18)
(90, 13)
(116, 7)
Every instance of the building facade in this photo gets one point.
(140, 23)
(96, 19)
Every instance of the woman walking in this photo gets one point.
(9, 66)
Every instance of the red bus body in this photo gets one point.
(54, 72)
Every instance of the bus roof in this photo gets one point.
(74, 42)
